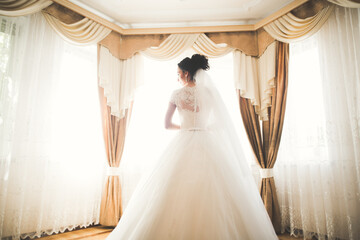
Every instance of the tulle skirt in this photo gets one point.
(200, 189)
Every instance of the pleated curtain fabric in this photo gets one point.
(346, 3)
(176, 44)
(17, 8)
(171, 47)
(205, 46)
(255, 77)
(120, 79)
(290, 28)
(114, 130)
(265, 145)
(84, 32)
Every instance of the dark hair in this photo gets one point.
(193, 64)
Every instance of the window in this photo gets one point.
(147, 137)
(303, 136)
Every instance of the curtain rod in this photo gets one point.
(172, 30)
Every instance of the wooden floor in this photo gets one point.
(100, 233)
(91, 233)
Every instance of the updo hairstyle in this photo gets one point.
(193, 64)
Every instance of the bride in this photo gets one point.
(201, 187)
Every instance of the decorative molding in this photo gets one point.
(172, 30)
(199, 29)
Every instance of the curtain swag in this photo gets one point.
(290, 28)
(205, 46)
(83, 32)
(175, 44)
(346, 3)
(17, 8)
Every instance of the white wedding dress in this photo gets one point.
(202, 187)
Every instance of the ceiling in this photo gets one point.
(181, 13)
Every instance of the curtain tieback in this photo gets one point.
(113, 171)
(266, 172)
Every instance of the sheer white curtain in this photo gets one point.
(318, 168)
(50, 132)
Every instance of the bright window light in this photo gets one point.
(147, 137)
(77, 128)
(303, 137)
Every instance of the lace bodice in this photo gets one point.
(185, 100)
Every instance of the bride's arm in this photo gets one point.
(168, 118)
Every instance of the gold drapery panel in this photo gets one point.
(114, 131)
(83, 32)
(346, 3)
(290, 28)
(266, 145)
(272, 130)
(17, 8)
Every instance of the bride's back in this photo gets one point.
(193, 113)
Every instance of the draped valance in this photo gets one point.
(175, 44)
(172, 47)
(83, 32)
(246, 42)
(125, 46)
(17, 8)
(205, 46)
(290, 28)
(253, 74)
(252, 43)
(346, 3)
